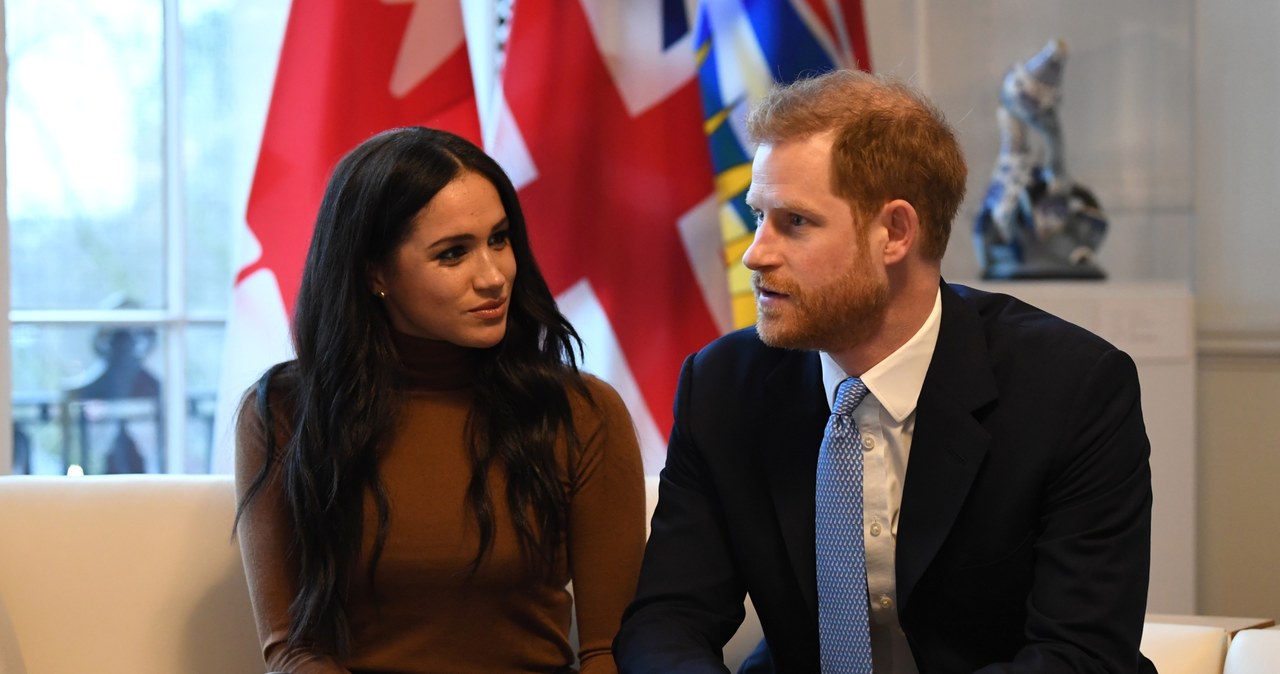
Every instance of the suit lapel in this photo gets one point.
(949, 443)
(796, 413)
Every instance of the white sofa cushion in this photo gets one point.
(125, 575)
(140, 574)
(1184, 649)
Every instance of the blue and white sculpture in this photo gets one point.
(1036, 222)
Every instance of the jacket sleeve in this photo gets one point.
(690, 597)
(1093, 551)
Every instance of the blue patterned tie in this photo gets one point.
(844, 632)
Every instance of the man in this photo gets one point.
(1004, 503)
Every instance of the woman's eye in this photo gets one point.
(453, 254)
(500, 239)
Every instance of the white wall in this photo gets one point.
(1237, 246)
(1127, 109)
(1171, 114)
(1127, 115)
(1238, 155)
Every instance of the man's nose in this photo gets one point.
(761, 254)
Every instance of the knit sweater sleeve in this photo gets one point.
(606, 524)
(264, 543)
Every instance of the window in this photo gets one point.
(131, 132)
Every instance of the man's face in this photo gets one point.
(817, 283)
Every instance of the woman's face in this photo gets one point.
(451, 280)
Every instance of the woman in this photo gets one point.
(419, 485)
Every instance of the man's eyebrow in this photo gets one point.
(791, 205)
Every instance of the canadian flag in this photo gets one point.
(347, 70)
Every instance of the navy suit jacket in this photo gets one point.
(1025, 528)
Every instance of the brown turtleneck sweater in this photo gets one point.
(429, 615)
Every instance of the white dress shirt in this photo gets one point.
(886, 419)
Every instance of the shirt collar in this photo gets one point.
(895, 381)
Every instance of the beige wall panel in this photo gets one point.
(1239, 474)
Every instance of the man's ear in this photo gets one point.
(902, 226)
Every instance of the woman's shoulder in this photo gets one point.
(281, 385)
(601, 416)
(598, 398)
(279, 380)
(604, 426)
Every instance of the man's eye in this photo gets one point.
(796, 220)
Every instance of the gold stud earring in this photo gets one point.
(382, 294)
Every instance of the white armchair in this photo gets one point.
(1254, 652)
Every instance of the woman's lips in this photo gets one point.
(489, 310)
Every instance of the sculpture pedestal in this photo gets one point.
(1154, 322)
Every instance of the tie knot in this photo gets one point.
(849, 395)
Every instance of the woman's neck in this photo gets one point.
(434, 365)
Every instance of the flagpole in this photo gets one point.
(480, 21)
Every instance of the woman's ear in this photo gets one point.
(902, 225)
(374, 278)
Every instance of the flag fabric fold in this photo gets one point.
(603, 100)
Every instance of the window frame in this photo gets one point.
(175, 320)
(6, 357)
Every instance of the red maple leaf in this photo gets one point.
(332, 91)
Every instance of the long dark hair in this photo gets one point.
(348, 395)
